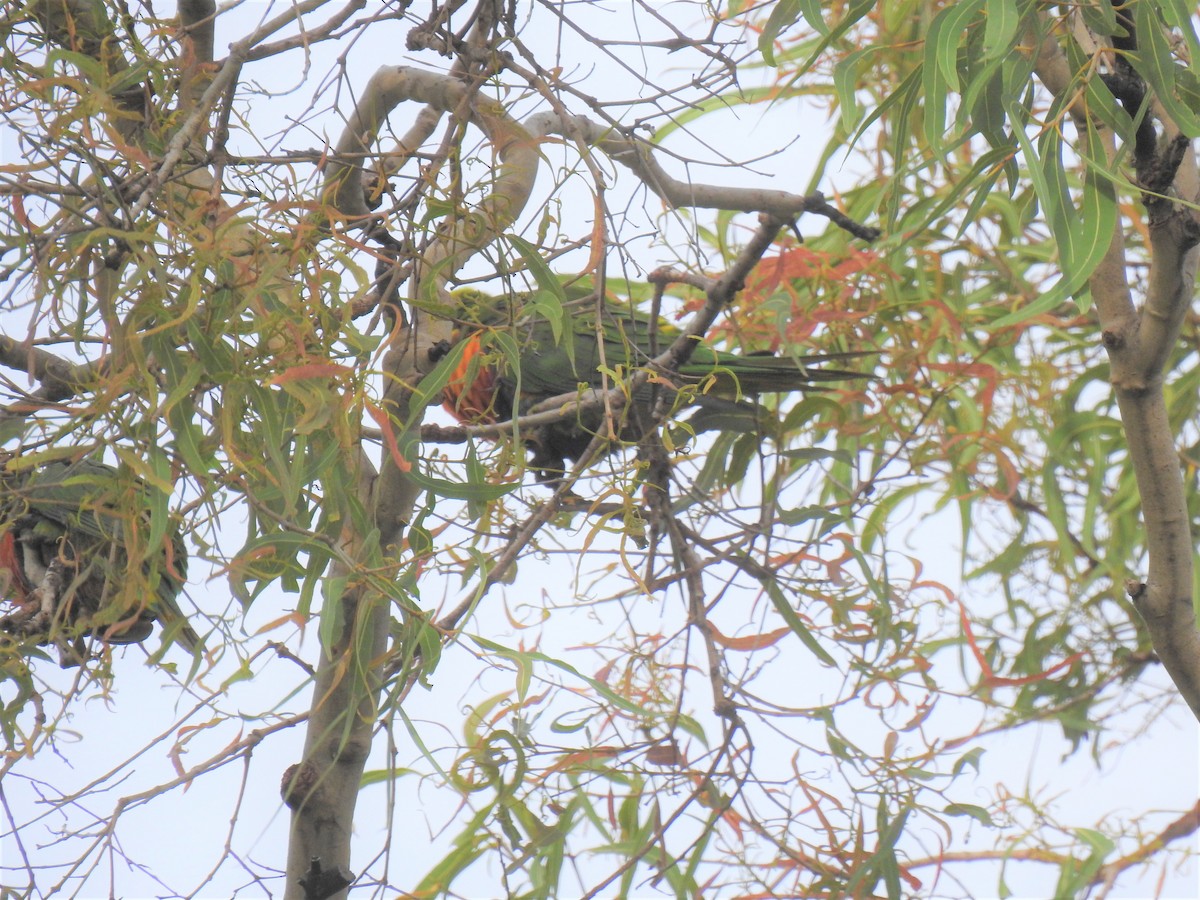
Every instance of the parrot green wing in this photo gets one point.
(597, 344)
(625, 340)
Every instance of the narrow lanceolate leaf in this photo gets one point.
(549, 295)
(947, 34)
(855, 11)
(811, 10)
(1000, 30)
(986, 166)
(845, 83)
(783, 15)
(905, 95)
(1083, 235)
(1179, 18)
(940, 65)
(782, 606)
(1055, 196)
(1097, 214)
(598, 686)
(1155, 62)
(1101, 18)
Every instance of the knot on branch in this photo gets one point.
(320, 883)
(1190, 236)
(298, 784)
(433, 433)
(1157, 174)
(1136, 590)
(1155, 167)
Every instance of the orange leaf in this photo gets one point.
(22, 217)
(389, 437)
(293, 617)
(750, 641)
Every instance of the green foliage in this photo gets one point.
(718, 663)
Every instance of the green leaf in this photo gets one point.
(988, 165)
(572, 721)
(906, 95)
(813, 454)
(1103, 106)
(1156, 63)
(717, 103)
(548, 300)
(332, 615)
(881, 511)
(798, 516)
(970, 758)
(598, 686)
(812, 10)
(783, 16)
(978, 813)
(855, 11)
(1102, 19)
(1000, 31)
(1100, 844)
(845, 84)
(946, 34)
(802, 631)
(1076, 875)
(384, 776)
(1179, 16)
(1082, 236)
(940, 65)
(471, 843)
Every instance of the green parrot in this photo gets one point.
(64, 561)
(486, 388)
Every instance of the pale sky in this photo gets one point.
(173, 841)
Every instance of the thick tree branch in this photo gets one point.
(639, 158)
(58, 379)
(199, 19)
(391, 86)
(1139, 345)
(349, 675)
(57, 376)
(322, 790)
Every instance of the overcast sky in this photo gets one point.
(126, 738)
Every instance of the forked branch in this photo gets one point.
(1140, 341)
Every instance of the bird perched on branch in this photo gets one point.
(74, 563)
(562, 351)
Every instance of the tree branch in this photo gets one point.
(638, 157)
(351, 671)
(1139, 345)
